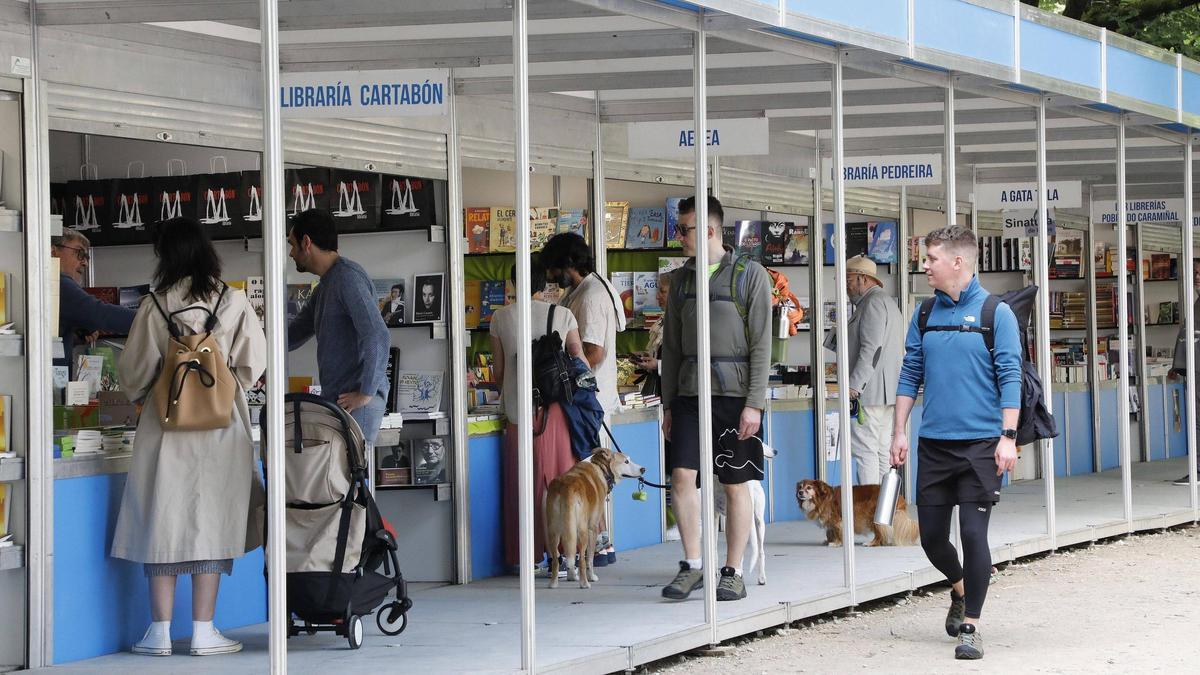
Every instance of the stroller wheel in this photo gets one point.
(392, 620)
(308, 628)
(354, 632)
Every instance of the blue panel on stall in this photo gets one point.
(1080, 405)
(1154, 422)
(101, 604)
(1191, 92)
(1110, 448)
(637, 523)
(1059, 402)
(884, 17)
(1056, 53)
(487, 512)
(963, 28)
(1141, 77)
(792, 433)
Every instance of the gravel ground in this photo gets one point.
(1129, 605)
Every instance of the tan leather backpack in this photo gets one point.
(195, 388)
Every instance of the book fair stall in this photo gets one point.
(449, 145)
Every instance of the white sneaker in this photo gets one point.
(214, 643)
(672, 534)
(153, 644)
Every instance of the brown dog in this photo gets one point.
(823, 503)
(573, 506)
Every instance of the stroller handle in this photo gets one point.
(296, 398)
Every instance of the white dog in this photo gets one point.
(756, 544)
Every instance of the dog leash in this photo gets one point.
(642, 482)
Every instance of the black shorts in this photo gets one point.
(957, 472)
(734, 461)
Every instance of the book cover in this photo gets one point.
(623, 284)
(856, 239)
(775, 239)
(503, 235)
(806, 310)
(1025, 260)
(389, 297)
(1068, 244)
(616, 219)
(298, 296)
(256, 294)
(477, 222)
(395, 463)
(574, 221)
(6, 421)
(543, 224)
(429, 461)
(131, 296)
(5, 300)
(1160, 265)
(645, 292)
(748, 238)
(491, 298)
(796, 252)
(393, 367)
(109, 294)
(882, 238)
(646, 226)
(473, 296)
(670, 263)
(672, 215)
(419, 391)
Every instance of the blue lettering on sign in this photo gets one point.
(888, 172)
(369, 95)
(687, 138)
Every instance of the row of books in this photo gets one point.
(420, 461)
(494, 229)
(996, 254)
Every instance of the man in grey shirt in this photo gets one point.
(1179, 363)
(875, 344)
(343, 314)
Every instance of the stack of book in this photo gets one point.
(1070, 360)
(1106, 306)
(1068, 309)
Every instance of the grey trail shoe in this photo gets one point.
(684, 583)
(970, 644)
(731, 586)
(956, 615)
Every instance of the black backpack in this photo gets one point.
(1035, 422)
(552, 381)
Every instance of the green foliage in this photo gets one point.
(1173, 25)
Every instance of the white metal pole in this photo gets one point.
(39, 472)
(974, 211)
(525, 339)
(1123, 331)
(1046, 447)
(843, 351)
(273, 254)
(703, 331)
(950, 180)
(1189, 321)
(905, 285)
(1093, 342)
(599, 231)
(816, 317)
(458, 348)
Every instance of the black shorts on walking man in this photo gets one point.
(967, 439)
(740, 340)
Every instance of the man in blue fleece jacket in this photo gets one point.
(352, 340)
(968, 424)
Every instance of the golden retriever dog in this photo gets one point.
(822, 503)
(573, 506)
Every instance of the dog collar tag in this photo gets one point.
(969, 318)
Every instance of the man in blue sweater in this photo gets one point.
(80, 314)
(352, 340)
(968, 424)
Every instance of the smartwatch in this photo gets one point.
(1009, 433)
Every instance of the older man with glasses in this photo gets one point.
(81, 315)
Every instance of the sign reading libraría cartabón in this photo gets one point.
(889, 171)
(364, 93)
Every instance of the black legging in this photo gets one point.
(977, 557)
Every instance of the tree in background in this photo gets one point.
(1170, 24)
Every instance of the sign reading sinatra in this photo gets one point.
(1142, 211)
(887, 171)
(364, 93)
(749, 136)
(1023, 196)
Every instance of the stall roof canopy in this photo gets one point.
(767, 59)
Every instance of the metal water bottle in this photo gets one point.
(889, 494)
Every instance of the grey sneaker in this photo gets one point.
(1184, 480)
(731, 586)
(970, 644)
(956, 615)
(684, 583)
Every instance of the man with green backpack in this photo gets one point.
(740, 338)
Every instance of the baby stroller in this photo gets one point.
(336, 538)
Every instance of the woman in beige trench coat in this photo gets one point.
(193, 499)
